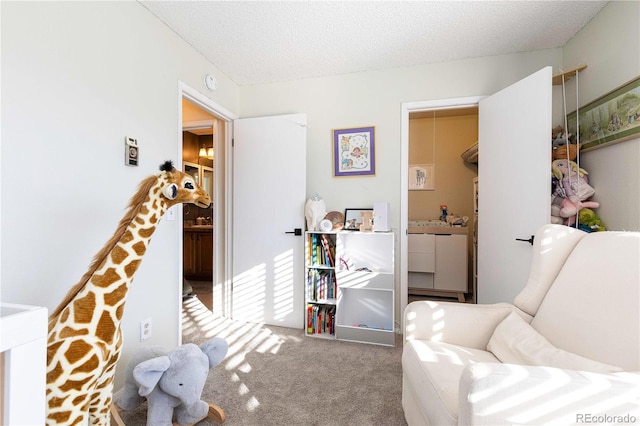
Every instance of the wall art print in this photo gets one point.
(354, 152)
(612, 118)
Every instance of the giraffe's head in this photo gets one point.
(180, 187)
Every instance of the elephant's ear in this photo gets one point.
(215, 349)
(148, 373)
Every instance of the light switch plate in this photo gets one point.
(131, 151)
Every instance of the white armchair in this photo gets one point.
(567, 351)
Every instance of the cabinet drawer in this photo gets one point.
(364, 280)
(422, 243)
(421, 262)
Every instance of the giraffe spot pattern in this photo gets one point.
(61, 417)
(131, 268)
(109, 277)
(127, 237)
(106, 328)
(72, 332)
(112, 299)
(77, 350)
(57, 402)
(54, 374)
(118, 255)
(83, 308)
(74, 384)
(90, 365)
(146, 232)
(140, 247)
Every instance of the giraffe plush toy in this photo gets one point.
(84, 338)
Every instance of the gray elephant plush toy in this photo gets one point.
(172, 381)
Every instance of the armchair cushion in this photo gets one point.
(515, 342)
(495, 394)
(436, 369)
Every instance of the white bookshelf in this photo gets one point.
(362, 309)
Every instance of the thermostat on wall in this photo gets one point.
(131, 153)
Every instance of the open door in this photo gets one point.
(269, 187)
(514, 173)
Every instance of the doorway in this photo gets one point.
(419, 110)
(200, 131)
(440, 249)
(198, 114)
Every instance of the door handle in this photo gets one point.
(530, 240)
(296, 231)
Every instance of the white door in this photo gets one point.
(269, 189)
(514, 188)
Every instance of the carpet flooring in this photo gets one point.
(279, 376)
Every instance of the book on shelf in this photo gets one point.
(321, 250)
(321, 284)
(320, 319)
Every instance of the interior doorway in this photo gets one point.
(200, 131)
(199, 114)
(425, 204)
(443, 147)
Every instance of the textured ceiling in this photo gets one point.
(270, 41)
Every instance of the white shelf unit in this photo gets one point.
(363, 274)
(320, 286)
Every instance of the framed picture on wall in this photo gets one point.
(421, 177)
(354, 152)
(612, 118)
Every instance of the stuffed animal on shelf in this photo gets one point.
(172, 382)
(570, 192)
(589, 221)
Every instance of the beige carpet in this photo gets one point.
(278, 376)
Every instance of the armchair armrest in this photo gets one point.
(456, 323)
(508, 394)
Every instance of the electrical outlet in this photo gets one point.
(145, 329)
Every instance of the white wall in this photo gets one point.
(77, 77)
(611, 62)
(374, 99)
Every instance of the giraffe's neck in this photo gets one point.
(98, 307)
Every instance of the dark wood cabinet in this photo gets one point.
(197, 253)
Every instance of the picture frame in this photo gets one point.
(421, 177)
(354, 152)
(612, 118)
(352, 219)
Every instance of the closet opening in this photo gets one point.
(438, 205)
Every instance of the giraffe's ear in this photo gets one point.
(170, 191)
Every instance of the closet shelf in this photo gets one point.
(568, 75)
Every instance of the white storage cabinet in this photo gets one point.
(437, 264)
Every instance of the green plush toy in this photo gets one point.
(590, 221)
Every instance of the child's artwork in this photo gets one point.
(354, 151)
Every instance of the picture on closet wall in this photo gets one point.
(612, 118)
(354, 152)
(421, 177)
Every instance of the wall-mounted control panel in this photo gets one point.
(131, 151)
